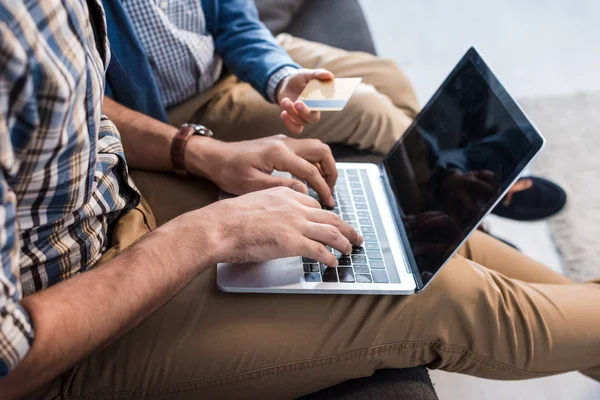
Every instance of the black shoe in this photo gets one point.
(542, 200)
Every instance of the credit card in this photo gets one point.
(329, 95)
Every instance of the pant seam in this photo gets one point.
(145, 218)
(309, 364)
(486, 361)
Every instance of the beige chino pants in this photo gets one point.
(491, 312)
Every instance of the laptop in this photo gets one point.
(457, 160)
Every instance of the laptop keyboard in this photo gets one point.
(366, 264)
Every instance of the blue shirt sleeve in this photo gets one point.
(247, 47)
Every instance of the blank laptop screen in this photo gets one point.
(462, 152)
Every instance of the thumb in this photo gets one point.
(320, 74)
(270, 181)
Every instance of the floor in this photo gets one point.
(537, 48)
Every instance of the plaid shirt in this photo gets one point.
(181, 53)
(63, 176)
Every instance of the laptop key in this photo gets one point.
(360, 199)
(346, 274)
(348, 217)
(344, 261)
(345, 197)
(307, 260)
(312, 277)
(367, 229)
(353, 178)
(371, 246)
(329, 274)
(363, 278)
(355, 185)
(358, 250)
(370, 238)
(361, 206)
(350, 172)
(365, 221)
(356, 192)
(361, 269)
(374, 254)
(359, 260)
(346, 210)
(311, 267)
(380, 276)
(363, 214)
(377, 264)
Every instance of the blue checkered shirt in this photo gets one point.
(63, 176)
(180, 51)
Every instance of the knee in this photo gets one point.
(471, 300)
(369, 104)
(379, 124)
(461, 285)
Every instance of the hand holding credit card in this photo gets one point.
(330, 95)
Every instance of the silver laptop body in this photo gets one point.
(472, 136)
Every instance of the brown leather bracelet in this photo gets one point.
(180, 141)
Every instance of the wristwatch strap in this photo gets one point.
(180, 141)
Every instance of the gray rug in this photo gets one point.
(571, 157)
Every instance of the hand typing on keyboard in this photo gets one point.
(277, 223)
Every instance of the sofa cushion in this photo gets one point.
(348, 30)
(386, 384)
(277, 14)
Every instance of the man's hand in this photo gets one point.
(294, 113)
(244, 167)
(277, 223)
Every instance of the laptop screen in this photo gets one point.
(456, 160)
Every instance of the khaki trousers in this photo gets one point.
(380, 110)
(491, 312)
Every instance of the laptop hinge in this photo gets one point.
(396, 213)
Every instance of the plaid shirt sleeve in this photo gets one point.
(16, 332)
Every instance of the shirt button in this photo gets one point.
(164, 4)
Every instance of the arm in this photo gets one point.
(146, 141)
(84, 314)
(237, 168)
(248, 48)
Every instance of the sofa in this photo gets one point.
(312, 20)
